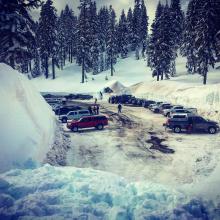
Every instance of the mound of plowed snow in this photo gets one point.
(27, 121)
(117, 87)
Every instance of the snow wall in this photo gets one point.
(27, 122)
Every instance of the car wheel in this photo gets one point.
(100, 127)
(74, 129)
(64, 120)
(177, 129)
(212, 130)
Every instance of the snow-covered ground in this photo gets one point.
(73, 193)
(118, 175)
(128, 71)
(27, 122)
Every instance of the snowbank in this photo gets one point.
(205, 98)
(73, 193)
(27, 122)
(117, 87)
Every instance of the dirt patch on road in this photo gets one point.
(157, 145)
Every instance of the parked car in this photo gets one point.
(165, 107)
(74, 115)
(98, 122)
(166, 112)
(146, 103)
(154, 105)
(63, 110)
(159, 107)
(182, 111)
(194, 123)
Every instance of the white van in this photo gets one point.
(74, 115)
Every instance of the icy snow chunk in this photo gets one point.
(73, 193)
(3, 184)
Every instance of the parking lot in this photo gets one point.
(136, 146)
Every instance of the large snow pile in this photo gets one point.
(73, 193)
(27, 122)
(117, 87)
(205, 98)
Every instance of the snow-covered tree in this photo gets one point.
(130, 27)
(205, 37)
(16, 31)
(201, 27)
(47, 37)
(112, 40)
(94, 38)
(123, 42)
(83, 43)
(160, 49)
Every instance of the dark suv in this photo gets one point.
(192, 124)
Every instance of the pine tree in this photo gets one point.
(188, 47)
(130, 27)
(94, 39)
(112, 41)
(177, 16)
(160, 51)
(48, 37)
(123, 35)
(137, 19)
(83, 44)
(205, 37)
(144, 27)
(16, 31)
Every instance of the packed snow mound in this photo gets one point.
(73, 193)
(117, 88)
(27, 122)
(205, 98)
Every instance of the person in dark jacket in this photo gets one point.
(119, 108)
(97, 109)
(94, 109)
(90, 110)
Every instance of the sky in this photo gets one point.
(118, 5)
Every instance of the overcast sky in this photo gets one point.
(118, 5)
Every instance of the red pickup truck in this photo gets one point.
(97, 122)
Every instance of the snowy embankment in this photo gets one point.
(184, 90)
(72, 193)
(27, 122)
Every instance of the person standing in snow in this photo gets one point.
(101, 95)
(97, 109)
(119, 108)
(96, 101)
(90, 110)
(94, 109)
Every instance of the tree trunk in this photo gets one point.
(30, 67)
(205, 79)
(12, 63)
(53, 68)
(71, 53)
(46, 68)
(161, 76)
(112, 70)
(83, 70)
(158, 76)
